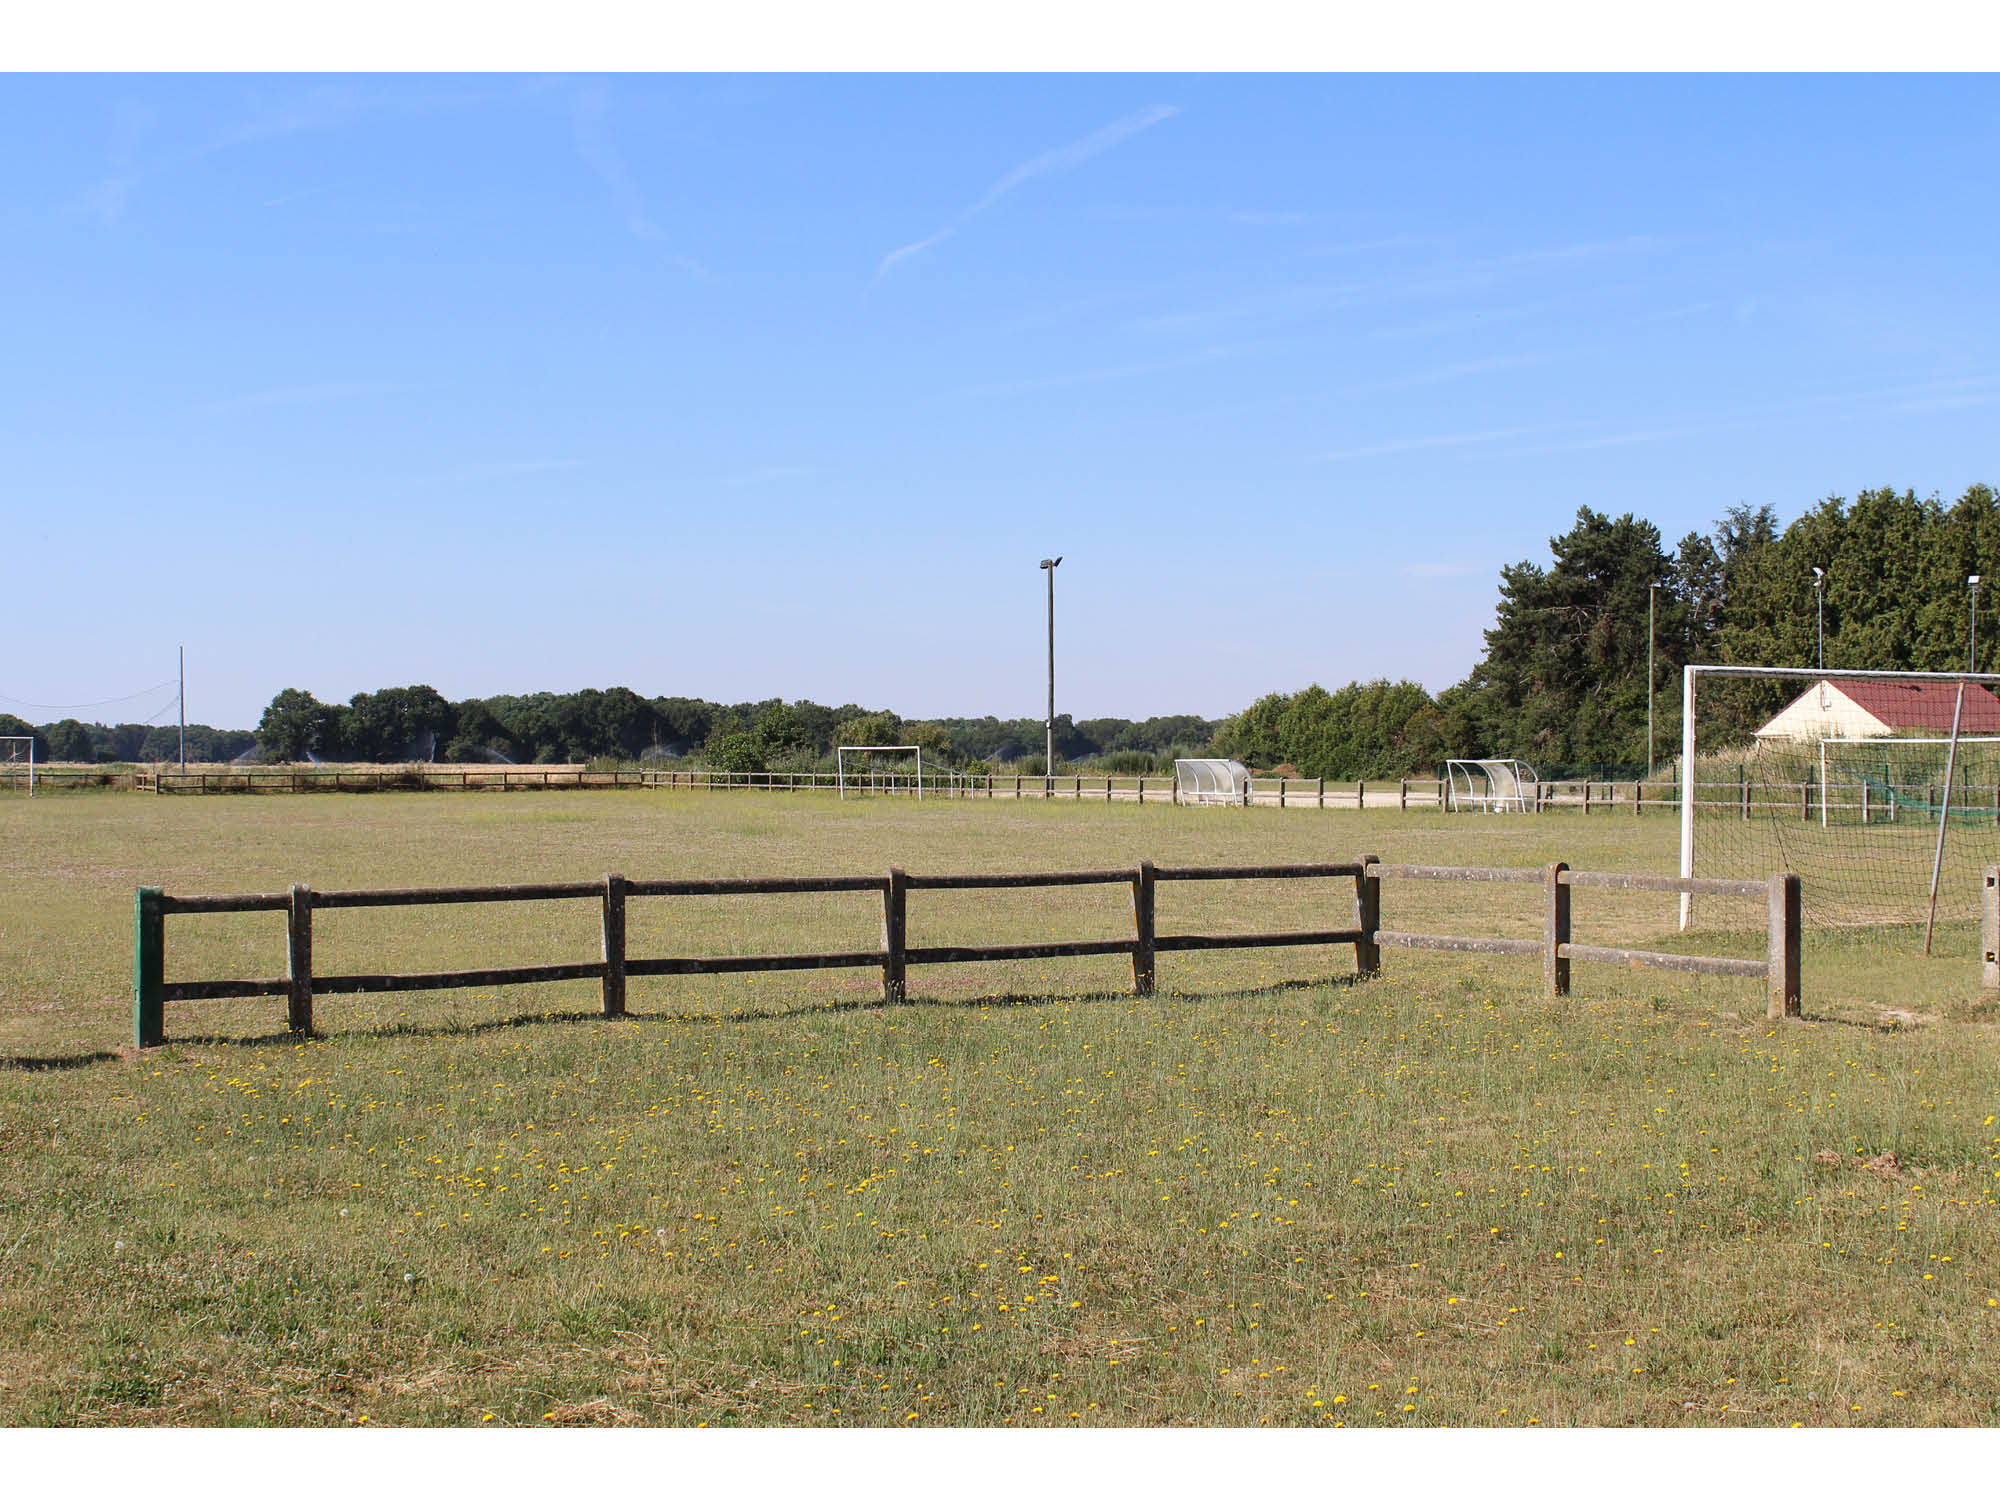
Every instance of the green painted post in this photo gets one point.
(149, 967)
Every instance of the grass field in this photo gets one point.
(1267, 1194)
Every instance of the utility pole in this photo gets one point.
(1049, 566)
(1972, 625)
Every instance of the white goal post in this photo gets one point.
(10, 754)
(841, 752)
(1693, 675)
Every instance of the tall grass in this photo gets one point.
(1267, 1195)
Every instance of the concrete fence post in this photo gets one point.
(1787, 937)
(1989, 932)
(895, 935)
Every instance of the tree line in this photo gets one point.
(105, 744)
(419, 723)
(1563, 680)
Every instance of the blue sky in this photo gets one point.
(743, 387)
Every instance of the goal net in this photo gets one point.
(881, 770)
(1490, 785)
(1871, 786)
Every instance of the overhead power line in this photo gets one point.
(145, 692)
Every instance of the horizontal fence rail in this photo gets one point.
(152, 991)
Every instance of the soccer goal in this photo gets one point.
(1492, 786)
(1211, 783)
(18, 750)
(1881, 790)
(901, 777)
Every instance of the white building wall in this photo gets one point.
(1822, 712)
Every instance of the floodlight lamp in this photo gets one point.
(1973, 579)
(1050, 562)
(1819, 576)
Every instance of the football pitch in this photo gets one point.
(1264, 1194)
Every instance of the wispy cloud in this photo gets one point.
(1464, 369)
(1131, 371)
(1289, 304)
(1974, 390)
(106, 198)
(311, 395)
(1061, 159)
(1435, 440)
(591, 134)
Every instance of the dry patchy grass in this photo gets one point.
(1266, 1195)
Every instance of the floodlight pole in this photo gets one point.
(1651, 590)
(1819, 603)
(183, 708)
(1049, 566)
(1972, 625)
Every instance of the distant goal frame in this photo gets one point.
(29, 741)
(841, 752)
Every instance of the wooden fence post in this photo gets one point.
(1319, 791)
(1403, 795)
(1586, 796)
(1142, 928)
(1281, 791)
(614, 945)
(1367, 917)
(299, 961)
(1989, 932)
(1787, 935)
(1555, 929)
(895, 934)
(149, 966)
(1360, 795)
(1638, 797)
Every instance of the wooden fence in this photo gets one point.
(1802, 800)
(152, 906)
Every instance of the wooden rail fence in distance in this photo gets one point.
(301, 983)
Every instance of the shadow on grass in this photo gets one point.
(53, 1064)
(748, 1017)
